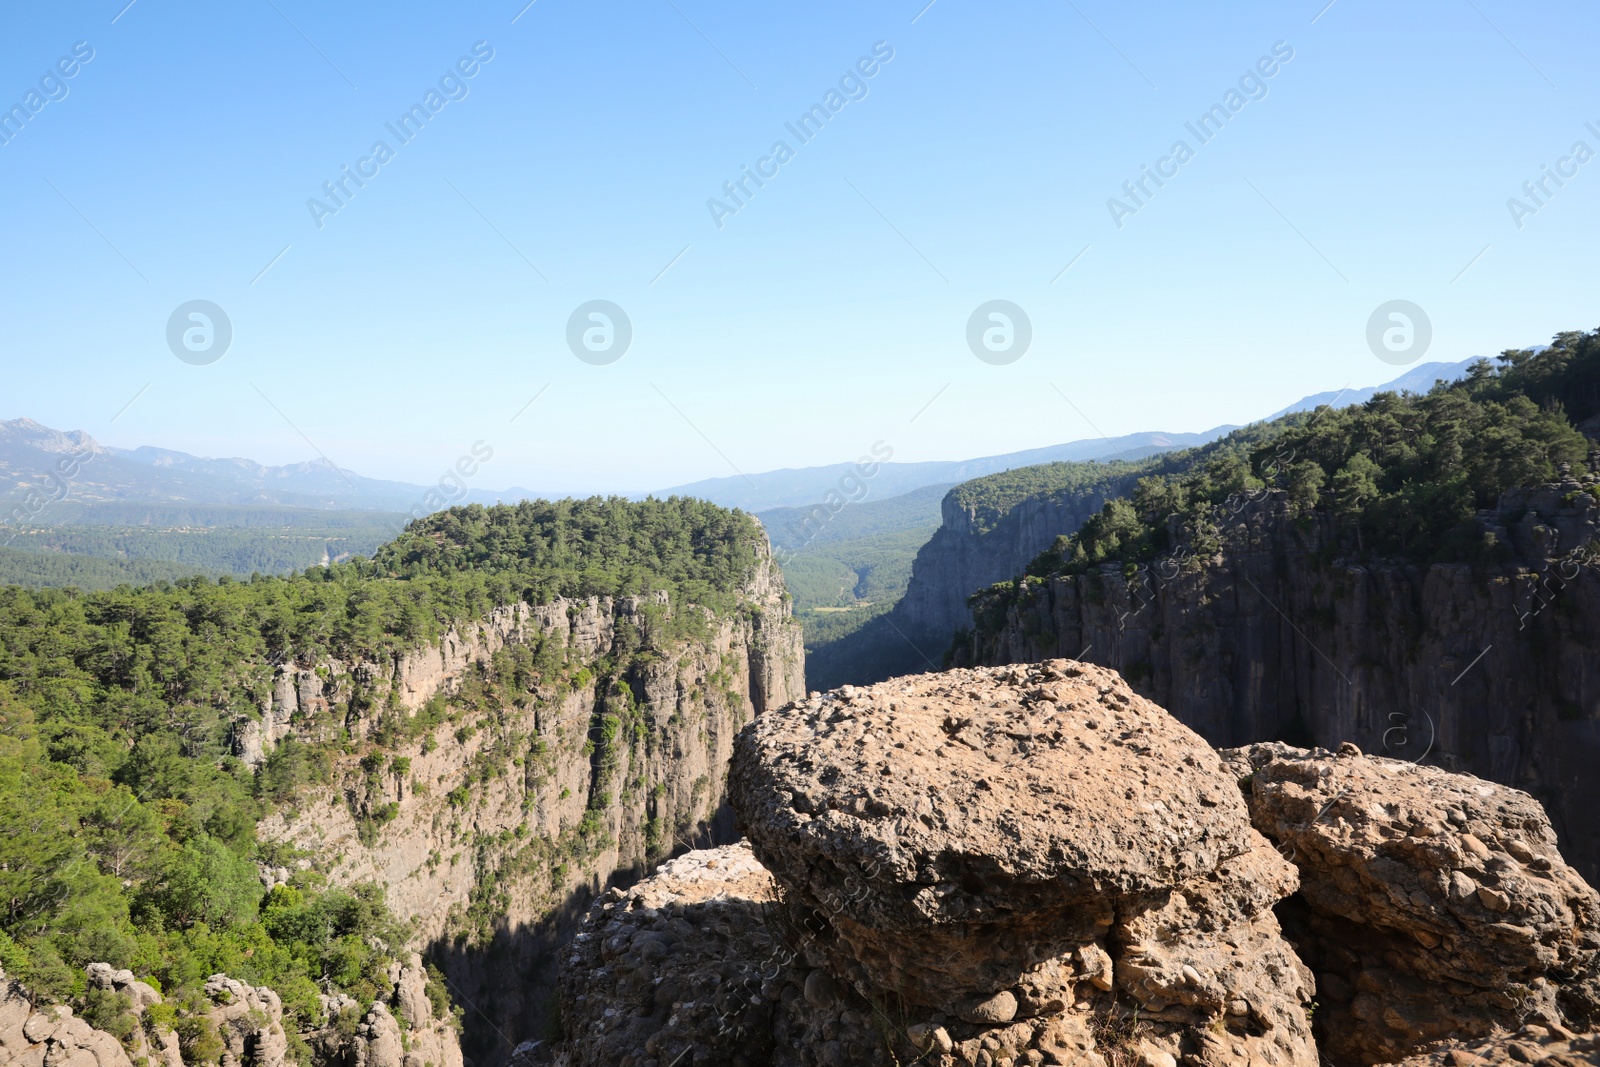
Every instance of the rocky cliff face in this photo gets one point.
(1033, 865)
(982, 540)
(968, 553)
(490, 829)
(1486, 668)
(234, 1025)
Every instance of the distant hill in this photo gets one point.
(803, 486)
(35, 461)
(58, 570)
(858, 556)
(807, 485)
(795, 529)
(1418, 379)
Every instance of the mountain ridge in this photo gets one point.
(149, 473)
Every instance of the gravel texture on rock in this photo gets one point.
(1432, 905)
(1031, 858)
(976, 812)
(671, 971)
(1533, 1044)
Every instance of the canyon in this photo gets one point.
(490, 832)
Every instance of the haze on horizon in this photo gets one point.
(992, 153)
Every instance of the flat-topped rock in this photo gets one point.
(977, 796)
(949, 835)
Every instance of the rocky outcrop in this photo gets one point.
(671, 971)
(1487, 668)
(974, 548)
(153, 1045)
(1033, 865)
(247, 1023)
(1432, 905)
(249, 1020)
(491, 830)
(1028, 859)
(51, 1036)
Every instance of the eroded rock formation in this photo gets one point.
(1432, 905)
(1033, 865)
(491, 830)
(51, 1035)
(978, 845)
(402, 1030)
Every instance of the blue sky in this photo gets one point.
(830, 311)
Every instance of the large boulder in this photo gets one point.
(1032, 847)
(1432, 905)
(676, 969)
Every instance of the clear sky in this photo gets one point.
(830, 310)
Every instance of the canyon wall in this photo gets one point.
(968, 553)
(1489, 668)
(491, 828)
(980, 541)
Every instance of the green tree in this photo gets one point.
(1354, 486)
(205, 882)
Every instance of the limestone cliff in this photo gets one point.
(991, 528)
(972, 550)
(529, 759)
(1488, 668)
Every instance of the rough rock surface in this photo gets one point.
(250, 1022)
(975, 811)
(1533, 1044)
(700, 965)
(1031, 865)
(1031, 848)
(402, 1032)
(39, 1036)
(1434, 905)
(670, 971)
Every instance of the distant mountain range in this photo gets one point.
(41, 468)
(808, 485)
(35, 459)
(1418, 379)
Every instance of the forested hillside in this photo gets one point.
(1416, 575)
(1400, 476)
(100, 546)
(128, 820)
